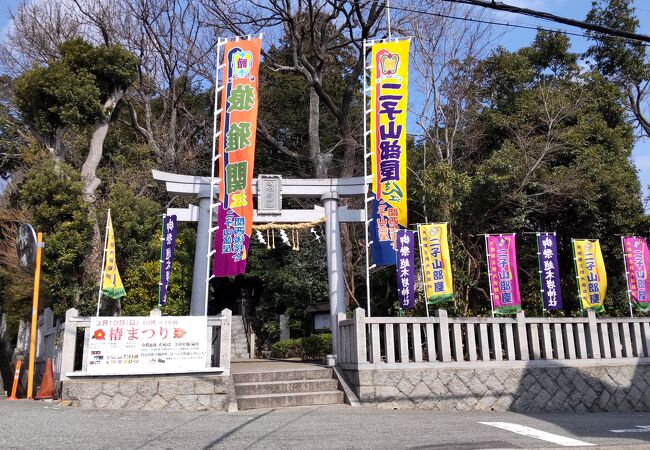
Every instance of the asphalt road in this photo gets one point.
(30, 424)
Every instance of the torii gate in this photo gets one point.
(269, 190)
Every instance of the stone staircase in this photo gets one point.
(279, 389)
(239, 347)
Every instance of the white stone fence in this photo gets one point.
(218, 342)
(421, 342)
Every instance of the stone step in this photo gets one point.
(284, 400)
(285, 375)
(287, 387)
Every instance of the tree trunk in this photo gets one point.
(320, 162)
(349, 153)
(91, 182)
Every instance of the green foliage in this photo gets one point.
(53, 196)
(71, 91)
(12, 139)
(311, 347)
(113, 67)
(291, 281)
(56, 96)
(622, 60)
(544, 147)
(289, 348)
(555, 158)
(141, 279)
(317, 346)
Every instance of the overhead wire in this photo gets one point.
(507, 24)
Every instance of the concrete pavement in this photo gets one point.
(31, 424)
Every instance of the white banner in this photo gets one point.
(140, 345)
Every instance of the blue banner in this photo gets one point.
(166, 256)
(405, 268)
(549, 271)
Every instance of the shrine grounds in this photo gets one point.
(34, 424)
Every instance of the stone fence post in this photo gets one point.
(444, 347)
(360, 336)
(69, 343)
(593, 342)
(285, 328)
(521, 338)
(224, 342)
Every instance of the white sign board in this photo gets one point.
(147, 344)
(322, 321)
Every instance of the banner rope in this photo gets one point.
(288, 226)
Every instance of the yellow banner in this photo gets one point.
(590, 270)
(111, 282)
(436, 263)
(388, 99)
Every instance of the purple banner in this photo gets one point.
(230, 244)
(637, 259)
(502, 270)
(166, 256)
(549, 271)
(405, 267)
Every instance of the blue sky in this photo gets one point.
(515, 38)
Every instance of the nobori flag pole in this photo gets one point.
(32, 336)
(539, 265)
(101, 273)
(388, 18)
(424, 285)
(575, 268)
(220, 83)
(162, 239)
(627, 274)
(487, 258)
(367, 110)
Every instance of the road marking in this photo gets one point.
(538, 434)
(638, 429)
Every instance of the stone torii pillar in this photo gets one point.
(270, 189)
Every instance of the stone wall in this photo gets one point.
(170, 392)
(513, 386)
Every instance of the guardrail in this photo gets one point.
(397, 342)
(218, 342)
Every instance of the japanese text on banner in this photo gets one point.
(436, 264)
(502, 272)
(389, 88)
(111, 281)
(637, 258)
(405, 267)
(549, 271)
(166, 255)
(131, 345)
(239, 103)
(591, 275)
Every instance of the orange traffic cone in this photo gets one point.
(19, 363)
(46, 390)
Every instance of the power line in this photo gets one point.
(553, 18)
(504, 24)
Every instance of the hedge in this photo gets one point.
(312, 347)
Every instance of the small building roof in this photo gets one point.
(318, 308)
